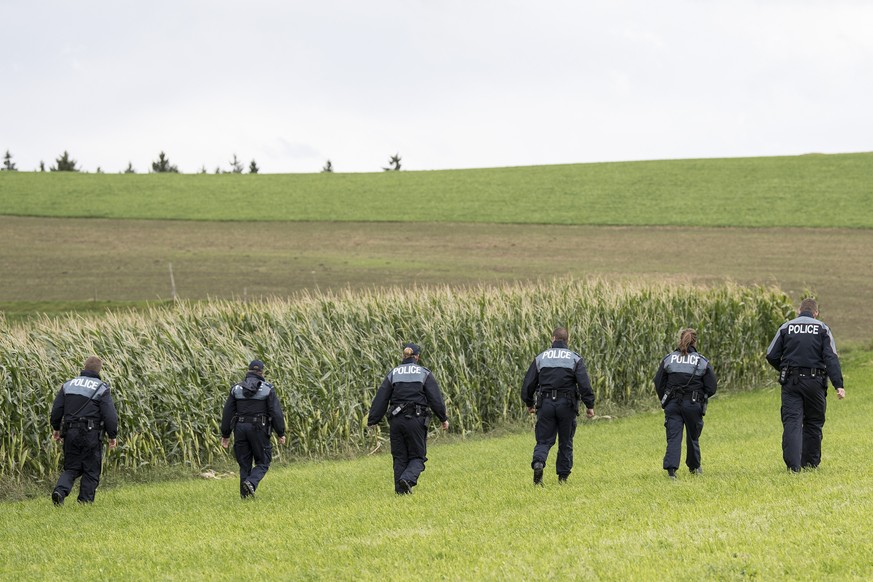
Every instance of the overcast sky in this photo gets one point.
(446, 84)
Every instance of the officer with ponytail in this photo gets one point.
(684, 382)
(408, 395)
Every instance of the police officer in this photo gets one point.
(684, 382)
(805, 354)
(408, 394)
(82, 411)
(554, 384)
(251, 411)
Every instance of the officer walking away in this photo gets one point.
(805, 354)
(408, 395)
(82, 411)
(684, 382)
(252, 411)
(553, 386)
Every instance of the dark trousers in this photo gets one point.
(804, 401)
(679, 414)
(251, 443)
(408, 447)
(556, 418)
(83, 457)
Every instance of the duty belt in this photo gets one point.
(261, 418)
(86, 423)
(558, 392)
(807, 372)
(408, 408)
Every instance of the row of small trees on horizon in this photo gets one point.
(65, 163)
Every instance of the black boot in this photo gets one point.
(538, 473)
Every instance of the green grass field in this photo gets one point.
(801, 191)
(475, 514)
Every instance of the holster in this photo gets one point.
(666, 398)
(700, 397)
(409, 409)
(538, 400)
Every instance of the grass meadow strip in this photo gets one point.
(710, 192)
(171, 367)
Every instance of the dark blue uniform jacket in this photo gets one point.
(558, 368)
(805, 342)
(86, 397)
(253, 397)
(684, 374)
(408, 383)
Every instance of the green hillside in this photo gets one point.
(811, 190)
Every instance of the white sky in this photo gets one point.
(447, 84)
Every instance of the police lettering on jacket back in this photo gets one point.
(85, 386)
(805, 342)
(408, 374)
(558, 358)
(803, 328)
(691, 363)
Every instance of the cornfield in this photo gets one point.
(171, 368)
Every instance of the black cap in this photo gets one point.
(415, 349)
(257, 365)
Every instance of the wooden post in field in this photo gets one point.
(172, 283)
